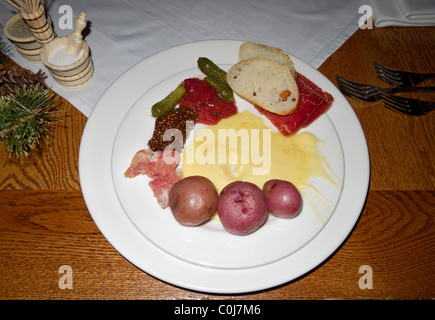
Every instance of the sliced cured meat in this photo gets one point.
(162, 185)
(313, 102)
(139, 164)
(324, 103)
(161, 167)
(152, 164)
(201, 96)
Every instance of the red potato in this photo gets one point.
(193, 200)
(283, 198)
(242, 208)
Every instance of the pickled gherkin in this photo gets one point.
(224, 89)
(212, 70)
(169, 102)
(216, 77)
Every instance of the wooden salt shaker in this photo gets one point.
(75, 39)
(68, 59)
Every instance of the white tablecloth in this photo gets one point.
(407, 13)
(124, 32)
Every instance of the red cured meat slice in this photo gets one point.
(201, 96)
(325, 104)
(313, 102)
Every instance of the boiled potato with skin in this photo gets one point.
(283, 198)
(242, 208)
(193, 200)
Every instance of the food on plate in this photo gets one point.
(176, 119)
(216, 77)
(242, 208)
(252, 177)
(265, 83)
(250, 50)
(160, 167)
(225, 91)
(210, 69)
(193, 200)
(313, 102)
(170, 101)
(268, 154)
(162, 185)
(283, 198)
(202, 97)
(152, 164)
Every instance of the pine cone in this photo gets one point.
(16, 78)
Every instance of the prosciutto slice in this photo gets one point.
(152, 164)
(313, 102)
(161, 167)
(162, 185)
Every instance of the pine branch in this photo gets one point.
(25, 119)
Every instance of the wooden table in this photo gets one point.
(45, 224)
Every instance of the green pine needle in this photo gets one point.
(25, 119)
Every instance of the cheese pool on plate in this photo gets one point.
(244, 148)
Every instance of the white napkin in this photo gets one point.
(123, 33)
(403, 12)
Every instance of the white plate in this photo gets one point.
(209, 245)
(207, 258)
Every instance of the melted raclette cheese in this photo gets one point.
(243, 147)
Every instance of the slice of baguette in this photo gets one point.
(250, 50)
(265, 83)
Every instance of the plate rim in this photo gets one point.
(205, 278)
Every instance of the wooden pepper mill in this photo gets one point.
(39, 24)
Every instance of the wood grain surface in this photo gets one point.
(44, 221)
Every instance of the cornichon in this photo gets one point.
(171, 100)
(213, 71)
(224, 89)
(216, 77)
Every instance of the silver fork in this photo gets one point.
(409, 106)
(371, 93)
(400, 78)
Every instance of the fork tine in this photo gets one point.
(400, 101)
(357, 90)
(388, 70)
(400, 77)
(390, 105)
(404, 105)
(389, 75)
(351, 83)
(395, 108)
(350, 91)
